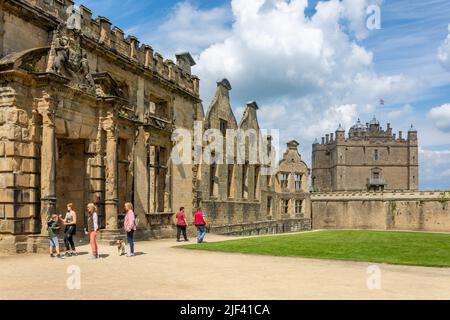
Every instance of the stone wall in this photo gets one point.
(264, 228)
(413, 211)
(88, 135)
(88, 117)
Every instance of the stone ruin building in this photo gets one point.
(239, 196)
(370, 158)
(87, 115)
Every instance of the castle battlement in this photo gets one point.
(127, 49)
(368, 158)
(359, 134)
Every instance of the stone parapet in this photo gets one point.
(263, 227)
(113, 40)
(402, 210)
(381, 196)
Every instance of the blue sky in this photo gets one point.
(313, 65)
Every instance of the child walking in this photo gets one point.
(53, 229)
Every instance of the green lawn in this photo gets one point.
(405, 248)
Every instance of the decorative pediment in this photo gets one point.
(106, 86)
(292, 160)
(26, 60)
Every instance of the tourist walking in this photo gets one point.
(53, 229)
(130, 226)
(181, 225)
(70, 223)
(200, 223)
(93, 229)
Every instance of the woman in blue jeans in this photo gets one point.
(130, 226)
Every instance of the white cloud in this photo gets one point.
(307, 66)
(355, 12)
(441, 117)
(344, 115)
(297, 66)
(187, 28)
(435, 167)
(396, 114)
(444, 52)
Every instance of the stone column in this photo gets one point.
(2, 29)
(48, 160)
(111, 163)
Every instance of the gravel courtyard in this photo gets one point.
(161, 272)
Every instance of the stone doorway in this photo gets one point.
(125, 177)
(71, 179)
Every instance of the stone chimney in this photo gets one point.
(185, 62)
(327, 138)
(293, 145)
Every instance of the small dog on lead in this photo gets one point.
(121, 247)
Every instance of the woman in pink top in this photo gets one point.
(130, 226)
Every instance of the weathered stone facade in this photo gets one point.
(87, 115)
(370, 158)
(403, 210)
(238, 197)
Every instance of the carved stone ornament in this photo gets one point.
(68, 59)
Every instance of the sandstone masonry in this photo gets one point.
(370, 158)
(87, 115)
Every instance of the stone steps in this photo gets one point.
(109, 237)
